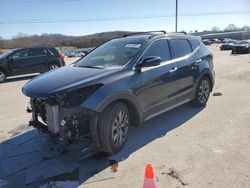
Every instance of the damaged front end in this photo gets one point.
(62, 116)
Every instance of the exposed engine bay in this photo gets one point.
(62, 116)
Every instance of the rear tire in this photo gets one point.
(202, 92)
(53, 66)
(113, 127)
(3, 76)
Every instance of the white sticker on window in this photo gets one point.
(132, 45)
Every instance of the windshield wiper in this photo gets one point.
(93, 67)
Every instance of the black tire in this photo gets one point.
(202, 92)
(3, 76)
(112, 138)
(53, 66)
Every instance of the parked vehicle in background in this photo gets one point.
(120, 84)
(227, 44)
(29, 60)
(207, 41)
(80, 52)
(242, 46)
(70, 54)
(216, 41)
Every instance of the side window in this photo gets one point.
(194, 43)
(181, 47)
(20, 54)
(37, 52)
(159, 48)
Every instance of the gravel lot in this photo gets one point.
(188, 147)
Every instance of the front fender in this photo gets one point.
(102, 98)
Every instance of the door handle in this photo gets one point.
(173, 69)
(198, 60)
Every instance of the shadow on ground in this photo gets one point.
(23, 163)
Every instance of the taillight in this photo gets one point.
(61, 55)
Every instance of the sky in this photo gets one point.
(81, 17)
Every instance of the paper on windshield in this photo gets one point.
(132, 45)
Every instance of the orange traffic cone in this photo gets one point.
(149, 181)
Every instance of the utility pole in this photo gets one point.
(176, 15)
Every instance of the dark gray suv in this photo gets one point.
(29, 60)
(120, 84)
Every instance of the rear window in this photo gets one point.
(37, 52)
(53, 51)
(181, 47)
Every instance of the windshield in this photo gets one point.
(243, 42)
(113, 54)
(5, 54)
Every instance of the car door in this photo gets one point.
(158, 83)
(18, 62)
(187, 61)
(38, 60)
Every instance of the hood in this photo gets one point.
(62, 80)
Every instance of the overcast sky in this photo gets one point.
(81, 17)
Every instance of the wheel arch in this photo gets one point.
(135, 110)
(4, 70)
(54, 62)
(206, 73)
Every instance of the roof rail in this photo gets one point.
(184, 32)
(146, 32)
(178, 33)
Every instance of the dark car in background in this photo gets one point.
(227, 44)
(207, 41)
(120, 84)
(242, 46)
(29, 60)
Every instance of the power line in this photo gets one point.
(43, 1)
(35, 21)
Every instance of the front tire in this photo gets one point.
(3, 76)
(113, 127)
(202, 92)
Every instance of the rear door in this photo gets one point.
(186, 58)
(158, 84)
(18, 62)
(38, 60)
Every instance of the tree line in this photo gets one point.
(59, 40)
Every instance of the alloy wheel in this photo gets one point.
(204, 90)
(52, 67)
(120, 127)
(2, 76)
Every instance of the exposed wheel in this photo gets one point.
(202, 92)
(53, 66)
(3, 76)
(113, 127)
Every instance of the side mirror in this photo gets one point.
(150, 62)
